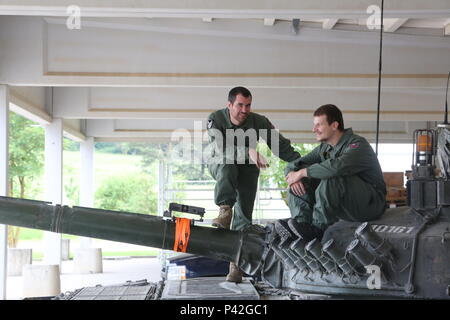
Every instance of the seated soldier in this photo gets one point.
(340, 179)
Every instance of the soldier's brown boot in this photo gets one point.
(234, 274)
(224, 218)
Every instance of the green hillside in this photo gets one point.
(106, 165)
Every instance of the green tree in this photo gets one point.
(71, 188)
(274, 175)
(127, 193)
(70, 145)
(152, 152)
(71, 173)
(172, 154)
(194, 169)
(26, 162)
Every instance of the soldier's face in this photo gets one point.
(323, 130)
(240, 109)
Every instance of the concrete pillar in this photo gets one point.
(17, 258)
(161, 187)
(4, 156)
(88, 260)
(162, 256)
(65, 249)
(41, 281)
(86, 180)
(53, 186)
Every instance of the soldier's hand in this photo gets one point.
(257, 159)
(293, 177)
(298, 188)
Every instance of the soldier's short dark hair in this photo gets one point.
(333, 114)
(238, 90)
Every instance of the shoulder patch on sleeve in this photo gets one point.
(354, 145)
(210, 123)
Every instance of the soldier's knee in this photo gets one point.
(225, 172)
(332, 188)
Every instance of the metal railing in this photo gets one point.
(263, 201)
(168, 189)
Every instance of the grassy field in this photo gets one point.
(105, 165)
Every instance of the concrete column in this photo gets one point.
(17, 258)
(4, 156)
(162, 256)
(41, 281)
(88, 260)
(53, 186)
(161, 196)
(86, 180)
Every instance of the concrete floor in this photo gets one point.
(115, 271)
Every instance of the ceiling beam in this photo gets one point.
(296, 131)
(235, 9)
(269, 21)
(250, 29)
(329, 24)
(315, 58)
(391, 25)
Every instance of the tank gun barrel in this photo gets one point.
(139, 229)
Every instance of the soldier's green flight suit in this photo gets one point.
(228, 162)
(344, 182)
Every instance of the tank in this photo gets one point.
(404, 254)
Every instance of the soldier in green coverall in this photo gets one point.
(340, 179)
(234, 162)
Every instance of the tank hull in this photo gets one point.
(419, 268)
